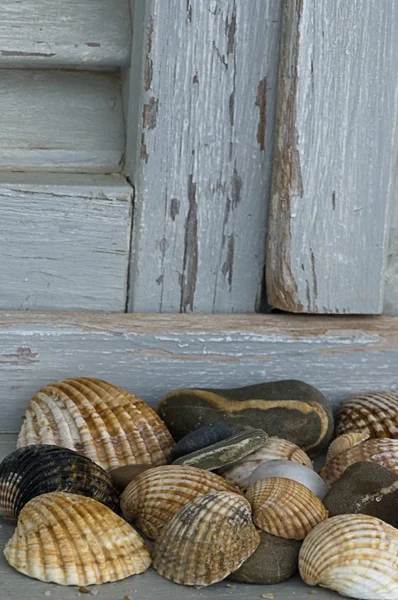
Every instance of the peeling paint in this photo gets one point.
(93, 44)
(26, 54)
(231, 31)
(148, 68)
(195, 79)
(149, 113)
(228, 266)
(232, 107)
(314, 279)
(190, 269)
(236, 187)
(143, 154)
(174, 208)
(189, 11)
(261, 103)
(22, 357)
(334, 200)
(220, 56)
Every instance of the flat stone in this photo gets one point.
(292, 410)
(202, 437)
(226, 452)
(275, 560)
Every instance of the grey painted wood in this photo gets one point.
(82, 33)
(60, 120)
(391, 277)
(199, 151)
(333, 156)
(64, 241)
(153, 354)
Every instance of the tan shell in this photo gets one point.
(206, 540)
(376, 413)
(153, 497)
(73, 540)
(97, 419)
(384, 452)
(355, 555)
(345, 442)
(285, 508)
(274, 448)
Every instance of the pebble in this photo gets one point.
(83, 590)
(202, 437)
(268, 596)
(47, 593)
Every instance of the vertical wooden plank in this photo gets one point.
(391, 276)
(333, 156)
(199, 151)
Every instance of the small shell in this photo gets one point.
(153, 497)
(35, 470)
(275, 448)
(355, 555)
(72, 540)
(122, 476)
(97, 419)
(285, 507)
(376, 413)
(384, 452)
(206, 540)
(291, 470)
(345, 442)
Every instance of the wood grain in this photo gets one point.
(391, 275)
(333, 156)
(64, 241)
(60, 120)
(200, 139)
(64, 33)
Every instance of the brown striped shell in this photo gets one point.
(205, 541)
(275, 448)
(345, 442)
(153, 497)
(382, 451)
(97, 419)
(73, 540)
(375, 413)
(285, 508)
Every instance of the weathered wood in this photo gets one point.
(333, 156)
(391, 277)
(153, 354)
(64, 241)
(60, 120)
(59, 33)
(199, 152)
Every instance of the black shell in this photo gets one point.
(38, 469)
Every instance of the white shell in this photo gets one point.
(291, 470)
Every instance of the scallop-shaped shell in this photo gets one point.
(345, 442)
(97, 419)
(205, 541)
(153, 497)
(355, 555)
(376, 413)
(72, 540)
(291, 470)
(384, 452)
(285, 508)
(275, 448)
(35, 470)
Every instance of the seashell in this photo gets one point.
(154, 497)
(275, 448)
(285, 508)
(384, 452)
(345, 442)
(291, 470)
(73, 540)
(100, 420)
(355, 555)
(205, 541)
(376, 413)
(122, 476)
(35, 470)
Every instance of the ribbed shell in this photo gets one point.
(285, 508)
(376, 413)
(291, 470)
(274, 448)
(72, 540)
(153, 497)
(97, 419)
(35, 470)
(345, 442)
(384, 452)
(206, 540)
(355, 555)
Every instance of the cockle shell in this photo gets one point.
(355, 555)
(275, 448)
(384, 452)
(376, 413)
(285, 508)
(97, 419)
(291, 470)
(345, 442)
(35, 470)
(205, 541)
(73, 540)
(153, 497)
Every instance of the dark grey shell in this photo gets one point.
(34, 470)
